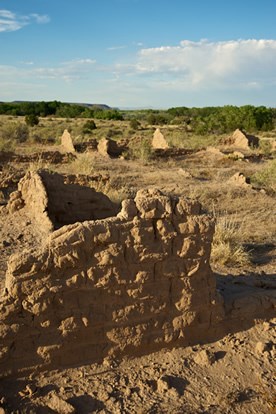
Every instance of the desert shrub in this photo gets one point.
(134, 124)
(227, 247)
(6, 145)
(83, 164)
(89, 126)
(143, 152)
(31, 120)
(14, 131)
(266, 178)
(265, 146)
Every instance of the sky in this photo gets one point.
(139, 53)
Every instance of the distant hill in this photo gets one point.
(88, 105)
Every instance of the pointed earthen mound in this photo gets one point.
(242, 140)
(66, 142)
(159, 141)
(108, 148)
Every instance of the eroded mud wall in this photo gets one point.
(123, 285)
(52, 203)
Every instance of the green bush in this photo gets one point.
(134, 124)
(266, 178)
(14, 131)
(89, 126)
(31, 120)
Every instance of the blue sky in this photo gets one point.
(139, 53)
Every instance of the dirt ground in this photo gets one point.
(234, 374)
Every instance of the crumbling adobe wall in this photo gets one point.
(52, 203)
(128, 284)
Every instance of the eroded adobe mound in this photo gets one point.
(126, 284)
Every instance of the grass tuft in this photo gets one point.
(266, 178)
(227, 248)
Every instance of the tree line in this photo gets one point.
(58, 109)
(206, 120)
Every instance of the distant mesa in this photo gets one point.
(88, 105)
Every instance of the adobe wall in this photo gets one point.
(52, 203)
(127, 284)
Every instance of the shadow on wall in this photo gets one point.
(71, 203)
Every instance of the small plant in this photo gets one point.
(265, 147)
(31, 120)
(14, 131)
(227, 248)
(83, 164)
(144, 152)
(134, 124)
(89, 126)
(266, 178)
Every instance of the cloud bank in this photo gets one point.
(248, 63)
(10, 22)
(191, 73)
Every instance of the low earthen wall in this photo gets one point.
(127, 284)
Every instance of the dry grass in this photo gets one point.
(266, 178)
(227, 247)
(83, 164)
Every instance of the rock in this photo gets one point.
(28, 391)
(184, 173)
(262, 347)
(162, 385)
(215, 151)
(59, 405)
(239, 179)
(205, 358)
(236, 155)
(159, 141)
(67, 142)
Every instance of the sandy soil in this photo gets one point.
(232, 375)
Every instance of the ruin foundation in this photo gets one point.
(126, 284)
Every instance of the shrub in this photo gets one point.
(266, 178)
(89, 126)
(134, 124)
(144, 152)
(265, 147)
(227, 248)
(17, 132)
(31, 120)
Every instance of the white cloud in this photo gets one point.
(40, 18)
(116, 47)
(10, 22)
(67, 71)
(203, 63)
